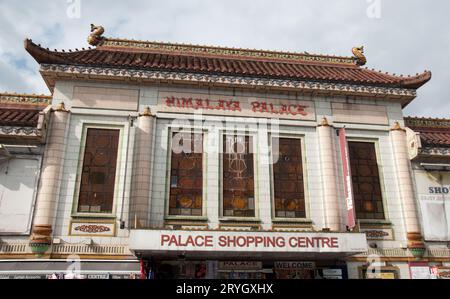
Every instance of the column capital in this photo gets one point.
(397, 127)
(147, 112)
(61, 108)
(324, 123)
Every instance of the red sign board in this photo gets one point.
(348, 188)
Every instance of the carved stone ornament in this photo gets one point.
(324, 122)
(96, 35)
(147, 112)
(61, 107)
(358, 52)
(397, 127)
(92, 228)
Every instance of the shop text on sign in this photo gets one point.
(176, 240)
(230, 105)
(246, 241)
(235, 106)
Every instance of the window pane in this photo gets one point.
(288, 180)
(186, 175)
(99, 171)
(238, 180)
(366, 181)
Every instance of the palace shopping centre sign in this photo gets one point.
(172, 240)
(176, 102)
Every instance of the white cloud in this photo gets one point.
(408, 38)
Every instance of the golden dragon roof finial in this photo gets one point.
(96, 35)
(358, 52)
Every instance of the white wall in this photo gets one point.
(18, 180)
(149, 97)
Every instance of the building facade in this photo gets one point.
(182, 161)
(429, 149)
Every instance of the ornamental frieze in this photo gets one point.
(229, 80)
(92, 228)
(25, 99)
(438, 151)
(378, 233)
(19, 131)
(227, 51)
(429, 123)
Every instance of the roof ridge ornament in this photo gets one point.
(194, 49)
(96, 35)
(358, 53)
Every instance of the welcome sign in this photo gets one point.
(176, 102)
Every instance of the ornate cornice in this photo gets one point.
(252, 82)
(435, 151)
(225, 52)
(427, 122)
(19, 131)
(14, 98)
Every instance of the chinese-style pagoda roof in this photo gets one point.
(21, 110)
(24, 118)
(143, 55)
(434, 132)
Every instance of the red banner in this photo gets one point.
(351, 223)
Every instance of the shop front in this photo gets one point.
(429, 150)
(245, 254)
(311, 270)
(69, 269)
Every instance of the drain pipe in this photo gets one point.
(131, 120)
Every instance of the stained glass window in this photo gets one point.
(288, 179)
(186, 175)
(99, 171)
(238, 177)
(366, 181)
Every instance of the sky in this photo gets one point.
(401, 36)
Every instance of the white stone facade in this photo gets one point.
(316, 154)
